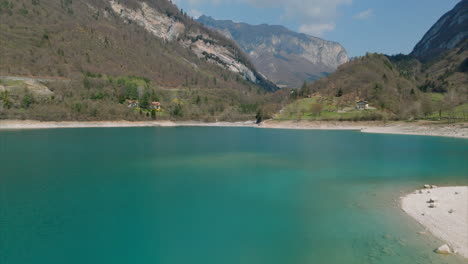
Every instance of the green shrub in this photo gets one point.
(27, 100)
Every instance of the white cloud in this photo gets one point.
(315, 16)
(195, 13)
(364, 14)
(316, 29)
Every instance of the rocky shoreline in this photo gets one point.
(443, 211)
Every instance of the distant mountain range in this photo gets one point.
(283, 56)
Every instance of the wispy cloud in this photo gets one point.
(315, 16)
(316, 29)
(364, 14)
(195, 13)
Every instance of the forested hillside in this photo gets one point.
(430, 83)
(395, 87)
(93, 54)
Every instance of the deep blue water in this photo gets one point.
(217, 195)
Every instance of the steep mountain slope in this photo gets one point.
(432, 82)
(95, 54)
(125, 37)
(446, 34)
(285, 57)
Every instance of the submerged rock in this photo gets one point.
(444, 250)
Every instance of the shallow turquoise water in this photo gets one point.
(217, 195)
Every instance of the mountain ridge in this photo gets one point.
(114, 51)
(286, 57)
(92, 18)
(447, 33)
(430, 83)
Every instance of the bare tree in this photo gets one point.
(316, 109)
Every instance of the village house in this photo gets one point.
(156, 105)
(133, 103)
(362, 105)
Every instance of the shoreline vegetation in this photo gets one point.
(442, 211)
(422, 128)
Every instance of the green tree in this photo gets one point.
(77, 107)
(27, 100)
(86, 83)
(131, 90)
(154, 97)
(339, 93)
(5, 97)
(177, 111)
(145, 101)
(260, 116)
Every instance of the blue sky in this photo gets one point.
(385, 26)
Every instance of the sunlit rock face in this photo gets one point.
(450, 31)
(283, 56)
(169, 29)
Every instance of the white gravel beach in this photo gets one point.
(443, 211)
(422, 128)
(33, 124)
(457, 130)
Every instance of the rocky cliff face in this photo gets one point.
(285, 57)
(148, 38)
(204, 45)
(446, 34)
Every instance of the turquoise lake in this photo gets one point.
(206, 195)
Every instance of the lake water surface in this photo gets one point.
(205, 195)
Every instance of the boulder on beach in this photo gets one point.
(444, 249)
(445, 216)
(427, 186)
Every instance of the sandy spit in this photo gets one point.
(458, 130)
(422, 128)
(448, 220)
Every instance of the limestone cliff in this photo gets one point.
(285, 57)
(210, 47)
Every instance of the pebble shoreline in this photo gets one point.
(443, 211)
